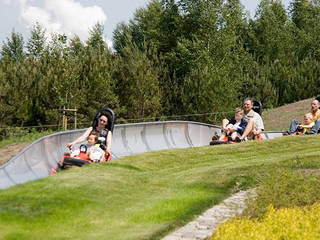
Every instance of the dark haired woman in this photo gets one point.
(105, 136)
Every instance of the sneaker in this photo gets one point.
(309, 133)
(215, 137)
(53, 171)
(286, 133)
(237, 139)
(230, 139)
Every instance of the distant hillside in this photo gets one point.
(279, 118)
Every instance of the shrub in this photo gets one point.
(285, 188)
(286, 223)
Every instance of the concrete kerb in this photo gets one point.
(204, 226)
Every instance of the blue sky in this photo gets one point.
(74, 16)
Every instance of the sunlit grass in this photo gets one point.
(145, 196)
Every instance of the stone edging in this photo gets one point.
(204, 226)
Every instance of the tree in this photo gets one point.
(143, 28)
(13, 48)
(96, 40)
(137, 75)
(76, 47)
(270, 36)
(305, 16)
(37, 42)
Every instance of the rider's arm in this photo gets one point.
(80, 139)
(258, 131)
(225, 122)
(307, 126)
(258, 124)
(109, 141)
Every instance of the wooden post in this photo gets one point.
(65, 117)
(65, 123)
(64, 127)
(75, 119)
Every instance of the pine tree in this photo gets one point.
(12, 49)
(37, 42)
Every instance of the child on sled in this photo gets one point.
(93, 151)
(306, 126)
(235, 127)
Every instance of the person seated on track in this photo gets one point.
(105, 135)
(315, 111)
(235, 127)
(254, 126)
(307, 124)
(94, 152)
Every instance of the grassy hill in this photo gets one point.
(146, 196)
(279, 118)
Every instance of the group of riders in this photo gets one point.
(311, 121)
(247, 124)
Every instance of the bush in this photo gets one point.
(275, 224)
(285, 188)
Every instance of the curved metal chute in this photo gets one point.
(37, 159)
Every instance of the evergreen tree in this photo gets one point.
(12, 49)
(37, 42)
(305, 16)
(76, 47)
(96, 39)
(137, 74)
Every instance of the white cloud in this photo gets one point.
(62, 16)
(6, 1)
(109, 43)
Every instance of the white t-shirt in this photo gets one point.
(95, 153)
(258, 123)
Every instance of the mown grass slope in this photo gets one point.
(145, 196)
(279, 118)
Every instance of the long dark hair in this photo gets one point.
(107, 112)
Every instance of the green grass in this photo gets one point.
(286, 188)
(145, 196)
(286, 206)
(24, 136)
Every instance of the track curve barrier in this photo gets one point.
(36, 160)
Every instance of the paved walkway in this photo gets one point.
(204, 226)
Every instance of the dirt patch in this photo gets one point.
(10, 151)
(312, 172)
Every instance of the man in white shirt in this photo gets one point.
(255, 124)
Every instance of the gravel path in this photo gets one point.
(204, 226)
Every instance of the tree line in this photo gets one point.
(174, 57)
